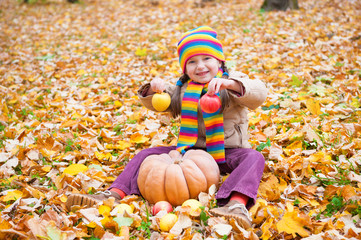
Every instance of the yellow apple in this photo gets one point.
(194, 206)
(121, 208)
(161, 101)
(167, 222)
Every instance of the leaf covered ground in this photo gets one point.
(70, 119)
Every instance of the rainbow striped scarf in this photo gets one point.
(189, 123)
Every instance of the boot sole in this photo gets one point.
(80, 200)
(241, 221)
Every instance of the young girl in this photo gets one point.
(203, 64)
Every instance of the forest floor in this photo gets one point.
(70, 119)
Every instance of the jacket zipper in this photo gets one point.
(238, 128)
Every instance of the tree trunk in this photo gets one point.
(283, 5)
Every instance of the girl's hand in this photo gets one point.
(218, 84)
(157, 85)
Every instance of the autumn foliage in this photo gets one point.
(70, 119)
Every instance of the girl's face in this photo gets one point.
(202, 68)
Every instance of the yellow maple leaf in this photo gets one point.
(5, 108)
(76, 115)
(297, 145)
(258, 211)
(68, 123)
(88, 119)
(121, 145)
(320, 157)
(105, 220)
(266, 229)
(103, 156)
(9, 180)
(313, 106)
(302, 95)
(283, 184)
(81, 72)
(339, 225)
(105, 98)
(280, 119)
(138, 138)
(74, 169)
(12, 195)
(254, 120)
(282, 75)
(110, 179)
(269, 187)
(356, 103)
(104, 210)
(291, 223)
(34, 192)
(348, 192)
(306, 202)
(272, 63)
(91, 225)
(296, 136)
(106, 49)
(141, 52)
(118, 104)
(12, 102)
(63, 198)
(46, 168)
(3, 226)
(135, 116)
(153, 72)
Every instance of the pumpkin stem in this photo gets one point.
(176, 156)
(178, 160)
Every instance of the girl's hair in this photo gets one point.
(176, 102)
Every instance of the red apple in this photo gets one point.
(210, 104)
(162, 206)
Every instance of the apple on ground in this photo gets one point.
(210, 104)
(167, 222)
(121, 208)
(194, 206)
(161, 206)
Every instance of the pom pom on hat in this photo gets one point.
(199, 41)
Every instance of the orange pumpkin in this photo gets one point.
(176, 178)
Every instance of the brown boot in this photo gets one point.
(89, 200)
(236, 210)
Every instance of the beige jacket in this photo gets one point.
(234, 116)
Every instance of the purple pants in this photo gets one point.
(245, 165)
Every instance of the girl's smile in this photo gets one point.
(202, 68)
(202, 73)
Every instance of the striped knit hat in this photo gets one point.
(199, 41)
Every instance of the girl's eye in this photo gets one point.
(207, 58)
(190, 62)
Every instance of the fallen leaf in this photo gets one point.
(291, 223)
(223, 229)
(123, 221)
(313, 106)
(74, 169)
(12, 195)
(138, 138)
